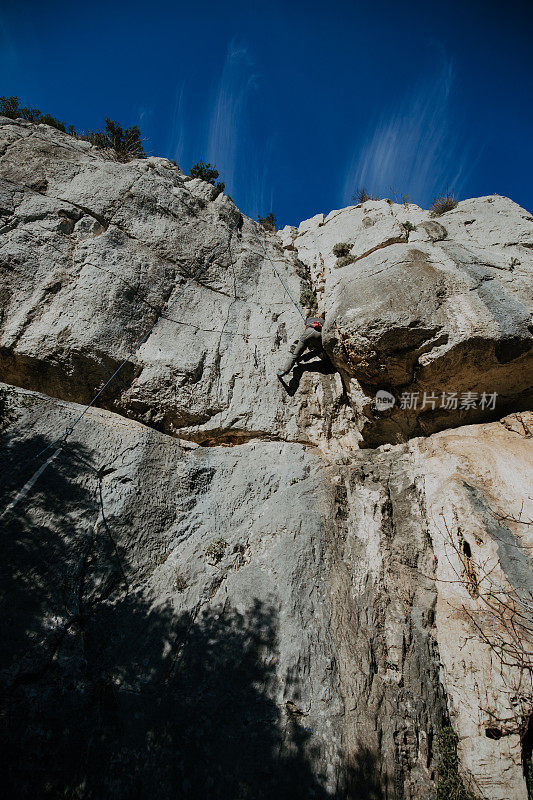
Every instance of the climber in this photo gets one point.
(311, 339)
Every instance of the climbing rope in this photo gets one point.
(29, 483)
(66, 433)
(296, 304)
(153, 307)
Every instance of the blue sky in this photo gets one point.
(297, 103)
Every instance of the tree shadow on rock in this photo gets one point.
(323, 366)
(361, 776)
(106, 693)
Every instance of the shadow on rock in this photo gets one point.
(107, 694)
(361, 778)
(322, 366)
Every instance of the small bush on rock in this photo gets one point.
(181, 582)
(308, 299)
(361, 196)
(345, 260)
(207, 172)
(9, 107)
(127, 144)
(443, 203)
(268, 222)
(399, 197)
(342, 249)
(450, 785)
(214, 552)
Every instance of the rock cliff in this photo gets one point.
(218, 586)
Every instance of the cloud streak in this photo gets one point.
(258, 192)
(228, 118)
(232, 139)
(415, 147)
(176, 138)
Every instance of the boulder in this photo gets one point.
(435, 311)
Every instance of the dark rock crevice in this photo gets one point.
(388, 657)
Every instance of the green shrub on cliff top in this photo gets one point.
(207, 172)
(9, 107)
(127, 143)
(269, 222)
(443, 203)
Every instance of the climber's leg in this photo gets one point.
(297, 352)
(310, 340)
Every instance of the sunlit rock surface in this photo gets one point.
(427, 307)
(221, 587)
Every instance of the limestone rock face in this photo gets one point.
(422, 306)
(220, 587)
(93, 251)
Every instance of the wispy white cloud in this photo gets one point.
(414, 147)
(242, 158)
(257, 190)
(228, 122)
(176, 136)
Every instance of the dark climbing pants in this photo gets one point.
(310, 340)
